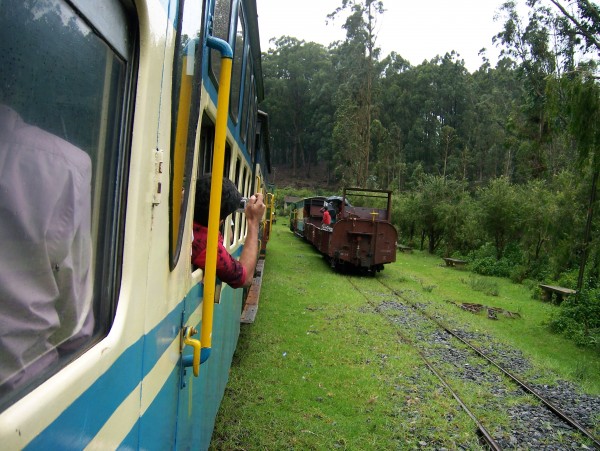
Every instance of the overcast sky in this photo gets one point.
(415, 29)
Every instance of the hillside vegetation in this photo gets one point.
(499, 166)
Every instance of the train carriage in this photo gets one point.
(122, 105)
(359, 237)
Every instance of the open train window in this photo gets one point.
(205, 158)
(207, 145)
(66, 82)
(185, 111)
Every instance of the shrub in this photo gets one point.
(484, 261)
(579, 319)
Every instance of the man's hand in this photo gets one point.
(255, 208)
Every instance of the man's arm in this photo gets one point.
(255, 209)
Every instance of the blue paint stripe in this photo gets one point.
(83, 419)
(80, 422)
(159, 434)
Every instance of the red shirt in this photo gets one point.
(229, 270)
(326, 218)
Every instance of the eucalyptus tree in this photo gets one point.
(582, 104)
(584, 17)
(440, 211)
(539, 210)
(543, 46)
(577, 93)
(495, 91)
(437, 94)
(389, 168)
(500, 213)
(355, 60)
(294, 77)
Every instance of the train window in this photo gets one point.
(236, 71)
(207, 145)
(65, 114)
(252, 115)
(245, 192)
(221, 19)
(185, 110)
(227, 162)
(246, 102)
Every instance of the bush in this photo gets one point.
(579, 319)
(483, 261)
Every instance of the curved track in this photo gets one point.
(485, 435)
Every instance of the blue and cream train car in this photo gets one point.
(109, 112)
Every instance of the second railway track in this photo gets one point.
(531, 419)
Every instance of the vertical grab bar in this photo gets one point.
(210, 270)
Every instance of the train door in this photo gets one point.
(171, 301)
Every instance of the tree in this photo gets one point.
(447, 144)
(585, 128)
(434, 195)
(500, 213)
(585, 19)
(356, 59)
(540, 48)
(539, 211)
(296, 73)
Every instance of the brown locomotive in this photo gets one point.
(359, 237)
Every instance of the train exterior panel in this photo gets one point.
(134, 85)
(359, 237)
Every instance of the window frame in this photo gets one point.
(115, 24)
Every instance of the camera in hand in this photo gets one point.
(243, 203)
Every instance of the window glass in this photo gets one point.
(63, 140)
(236, 180)
(221, 18)
(246, 103)
(244, 190)
(236, 71)
(185, 110)
(252, 122)
(207, 144)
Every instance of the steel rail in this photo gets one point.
(487, 437)
(557, 411)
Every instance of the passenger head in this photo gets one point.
(230, 199)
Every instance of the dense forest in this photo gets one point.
(499, 166)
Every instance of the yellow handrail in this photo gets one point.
(212, 243)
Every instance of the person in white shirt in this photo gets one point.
(45, 249)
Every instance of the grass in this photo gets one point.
(319, 369)
(550, 353)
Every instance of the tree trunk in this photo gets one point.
(588, 231)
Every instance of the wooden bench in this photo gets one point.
(403, 248)
(559, 292)
(454, 262)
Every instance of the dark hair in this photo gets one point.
(230, 199)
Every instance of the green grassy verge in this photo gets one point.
(551, 354)
(319, 369)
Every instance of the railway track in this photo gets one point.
(429, 332)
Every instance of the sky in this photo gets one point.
(417, 30)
